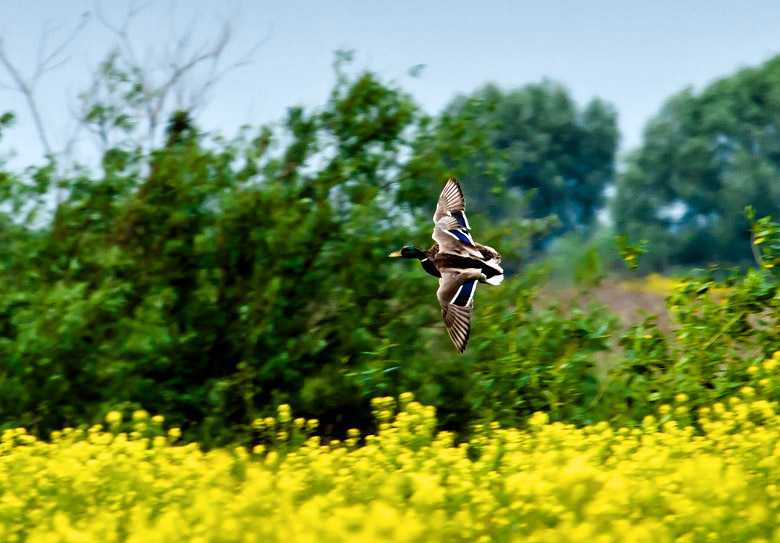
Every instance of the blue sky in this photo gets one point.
(632, 54)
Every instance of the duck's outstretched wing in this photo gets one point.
(451, 201)
(456, 297)
(451, 230)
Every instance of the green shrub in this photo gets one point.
(213, 278)
(725, 331)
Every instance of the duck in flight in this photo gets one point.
(458, 261)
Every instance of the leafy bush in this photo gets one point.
(725, 331)
(214, 278)
(538, 359)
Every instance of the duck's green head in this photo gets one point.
(409, 252)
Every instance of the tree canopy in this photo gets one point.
(542, 143)
(704, 157)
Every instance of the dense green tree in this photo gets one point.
(704, 157)
(538, 140)
(205, 279)
(210, 279)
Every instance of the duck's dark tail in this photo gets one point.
(491, 266)
(495, 280)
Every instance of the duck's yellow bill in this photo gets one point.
(396, 254)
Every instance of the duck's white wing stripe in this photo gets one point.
(462, 219)
(465, 294)
(453, 226)
(461, 235)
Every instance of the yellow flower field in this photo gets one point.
(549, 483)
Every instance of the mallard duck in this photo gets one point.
(458, 261)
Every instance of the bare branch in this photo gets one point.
(134, 90)
(24, 87)
(132, 12)
(243, 61)
(208, 54)
(48, 62)
(198, 97)
(104, 20)
(122, 32)
(164, 75)
(80, 113)
(42, 42)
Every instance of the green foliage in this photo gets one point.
(724, 332)
(545, 145)
(532, 359)
(208, 278)
(212, 277)
(631, 253)
(765, 240)
(704, 158)
(6, 120)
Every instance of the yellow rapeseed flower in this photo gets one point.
(113, 418)
(407, 483)
(284, 413)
